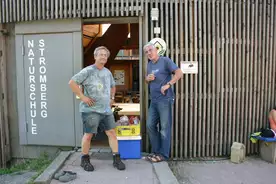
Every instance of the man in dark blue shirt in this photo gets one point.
(159, 78)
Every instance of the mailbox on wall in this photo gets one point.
(46, 60)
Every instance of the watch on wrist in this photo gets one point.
(169, 84)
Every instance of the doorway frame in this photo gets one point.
(126, 20)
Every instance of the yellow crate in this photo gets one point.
(130, 130)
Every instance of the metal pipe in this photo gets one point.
(181, 80)
(263, 63)
(122, 7)
(98, 8)
(273, 52)
(217, 75)
(204, 75)
(132, 7)
(239, 60)
(226, 87)
(266, 61)
(208, 136)
(213, 66)
(48, 10)
(195, 76)
(191, 47)
(147, 17)
(251, 77)
(102, 5)
(247, 67)
(234, 137)
(256, 67)
(200, 75)
(65, 9)
(60, 9)
(70, 9)
(22, 10)
(12, 10)
(231, 87)
(26, 11)
(17, 11)
(220, 89)
(177, 123)
(56, 8)
(42, 7)
(127, 8)
(259, 66)
(51, 9)
(243, 72)
(186, 45)
(117, 7)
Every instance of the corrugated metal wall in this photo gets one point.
(230, 97)
(28, 10)
(234, 42)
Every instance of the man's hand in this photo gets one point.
(150, 77)
(164, 88)
(87, 100)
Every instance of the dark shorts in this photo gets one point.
(92, 121)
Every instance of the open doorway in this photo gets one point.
(122, 39)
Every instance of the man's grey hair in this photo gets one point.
(149, 44)
(96, 51)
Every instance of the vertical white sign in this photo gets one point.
(37, 67)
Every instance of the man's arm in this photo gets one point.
(112, 92)
(178, 74)
(75, 88)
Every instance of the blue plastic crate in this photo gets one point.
(130, 147)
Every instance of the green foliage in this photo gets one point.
(37, 165)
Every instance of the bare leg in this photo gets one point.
(85, 146)
(113, 143)
(85, 143)
(112, 139)
(272, 119)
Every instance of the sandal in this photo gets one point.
(149, 157)
(158, 158)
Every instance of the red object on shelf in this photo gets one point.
(131, 120)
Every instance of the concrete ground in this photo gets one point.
(17, 178)
(252, 171)
(137, 172)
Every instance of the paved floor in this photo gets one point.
(17, 178)
(137, 172)
(252, 171)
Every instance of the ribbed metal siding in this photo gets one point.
(234, 42)
(28, 10)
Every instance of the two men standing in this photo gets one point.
(99, 90)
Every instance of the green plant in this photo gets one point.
(38, 165)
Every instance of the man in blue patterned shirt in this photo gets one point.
(95, 106)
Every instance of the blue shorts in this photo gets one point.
(92, 121)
